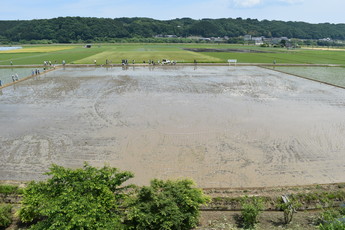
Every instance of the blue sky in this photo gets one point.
(313, 11)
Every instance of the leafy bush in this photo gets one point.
(342, 210)
(332, 219)
(251, 209)
(5, 215)
(336, 225)
(166, 205)
(86, 198)
(328, 215)
(91, 198)
(289, 209)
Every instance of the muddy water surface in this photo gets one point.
(221, 126)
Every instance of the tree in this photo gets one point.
(283, 43)
(77, 29)
(165, 205)
(86, 198)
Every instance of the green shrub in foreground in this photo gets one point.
(289, 209)
(336, 225)
(332, 219)
(5, 215)
(86, 198)
(91, 198)
(251, 209)
(166, 205)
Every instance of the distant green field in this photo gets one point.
(114, 53)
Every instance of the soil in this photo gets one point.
(306, 217)
(267, 220)
(224, 126)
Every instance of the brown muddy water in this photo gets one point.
(221, 126)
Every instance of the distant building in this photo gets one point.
(247, 37)
(204, 39)
(217, 39)
(325, 39)
(165, 36)
(275, 41)
(256, 40)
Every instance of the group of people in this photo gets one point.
(15, 77)
(49, 63)
(35, 72)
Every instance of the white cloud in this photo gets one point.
(291, 1)
(246, 3)
(255, 3)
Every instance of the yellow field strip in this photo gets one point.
(42, 49)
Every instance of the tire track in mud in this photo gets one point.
(213, 158)
(25, 156)
(122, 85)
(29, 157)
(309, 156)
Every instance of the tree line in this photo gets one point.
(87, 29)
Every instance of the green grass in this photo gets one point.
(139, 52)
(284, 56)
(10, 189)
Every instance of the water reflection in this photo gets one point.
(7, 73)
(5, 48)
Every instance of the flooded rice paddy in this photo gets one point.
(331, 75)
(7, 73)
(221, 126)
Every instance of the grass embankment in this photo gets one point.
(216, 53)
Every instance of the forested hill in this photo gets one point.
(79, 29)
